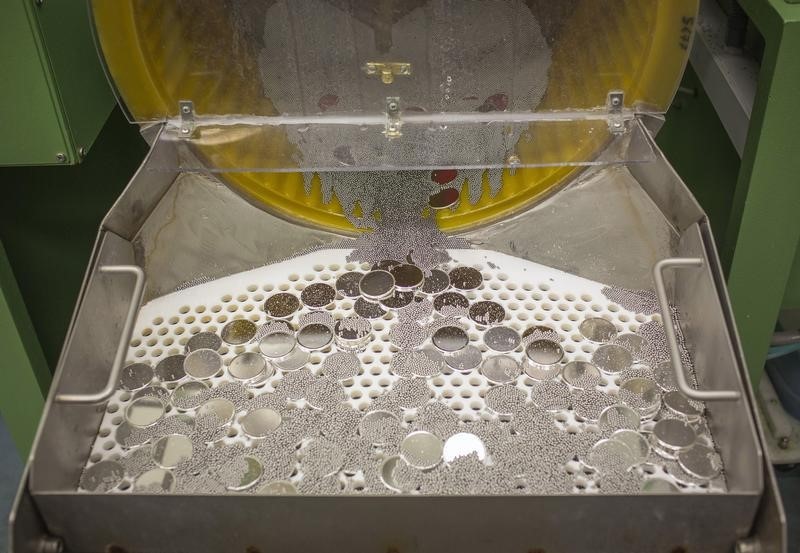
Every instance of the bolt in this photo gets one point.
(82, 152)
(783, 442)
(186, 109)
(184, 130)
(39, 3)
(50, 544)
(61, 157)
(392, 106)
(615, 101)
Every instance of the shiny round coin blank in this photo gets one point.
(154, 481)
(674, 434)
(220, 409)
(436, 282)
(202, 364)
(102, 477)
(450, 339)
(243, 473)
(281, 305)
(204, 340)
(135, 376)
(294, 361)
(259, 423)
(314, 337)
(619, 417)
(464, 360)
(501, 339)
(632, 342)
(422, 450)
(596, 329)
(462, 445)
(172, 449)
(465, 278)
(368, 309)
(250, 368)
(318, 295)
(679, 404)
(701, 462)
(407, 276)
(487, 313)
(144, 411)
(500, 369)
(387, 473)
(238, 332)
(448, 303)
(376, 285)
(347, 284)
(277, 487)
(542, 360)
(610, 455)
(188, 395)
(581, 374)
(637, 443)
(641, 394)
(170, 369)
(612, 359)
(277, 345)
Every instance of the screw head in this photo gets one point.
(61, 157)
(783, 442)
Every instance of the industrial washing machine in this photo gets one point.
(400, 276)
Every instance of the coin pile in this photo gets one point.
(273, 420)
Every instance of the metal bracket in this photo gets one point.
(614, 104)
(387, 70)
(186, 110)
(393, 121)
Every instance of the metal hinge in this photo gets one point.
(186, 110)
(393, 122)
(615, 104)
(388, 70)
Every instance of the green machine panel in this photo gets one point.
(55, 97)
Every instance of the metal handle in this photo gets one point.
(672, 340)
(122, 347)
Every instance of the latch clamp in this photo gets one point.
(615, 103)
(186, 110)
(388, 70)
(393, 121)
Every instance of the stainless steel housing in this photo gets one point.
(611, 224)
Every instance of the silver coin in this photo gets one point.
(540, 332)
(281, 305)
(347, 284)
(387, 472)
(277, 345)
(170, 369)
(501, 339)
(238, 332)
(398, 300)
(259, 423)
(407, 276)
(659, 449)
(450, 339)
(377, 426)
(637, 443)
(422, 450)
(221, 408)
(407, 335)
(581, 374)
(144, 411)
(679, 404)
(447, 302)
(641, 394)
(153, 391)
(674, 434)
(376, 285)
(314, 337)
(436, 282)
(500, 369)
(465, 278)
(664, 375)
(204, 340)
(598, 330)
(154, 481)
(249, 478)
(341, 365)
(610, 455)
(701, 462)
(618, 417)
(250, 367)
(632, 342)
(462, 445)
(465, 359)
(659, 485)
(277, 487)
(135, 376)
(352, 333)
(318, 295)
(202, 364)
(487, 313)
(589, 404)
(542, 359)
(612, 359)
(368, 309)
(188, 395)
(102, 477)
(297, 359)
(172, 449)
